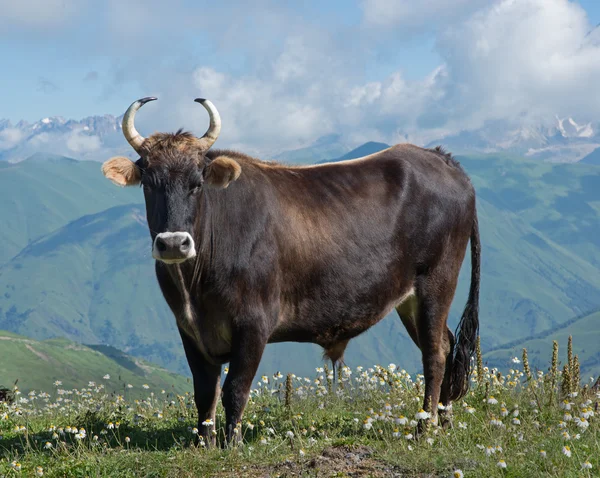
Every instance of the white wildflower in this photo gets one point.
(422, 415)
(401, 420)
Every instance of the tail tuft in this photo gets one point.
(467, 330)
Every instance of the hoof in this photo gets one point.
(421, 429)
(446, 422)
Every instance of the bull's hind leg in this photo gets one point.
(407, 311)
(446, 412)
(435, 292)
(335, 353)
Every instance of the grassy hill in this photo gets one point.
(91, 278)
(38, 364)
(585, 331)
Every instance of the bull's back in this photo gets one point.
(351, 239)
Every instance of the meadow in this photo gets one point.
(517, 422)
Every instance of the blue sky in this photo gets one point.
(308, 67)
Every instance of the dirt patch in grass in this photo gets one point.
(334, 461)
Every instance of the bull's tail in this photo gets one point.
(468, 327)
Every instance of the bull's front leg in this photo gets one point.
(248, 345)
(207, 387)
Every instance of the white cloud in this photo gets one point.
(281, 80)
(525, 57)
(257, 112)
(10, 137)
(82, 143)
(524, 60)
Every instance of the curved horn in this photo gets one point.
(134, 138)
(212, 133)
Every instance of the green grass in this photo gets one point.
(37, 365)
(354, 427)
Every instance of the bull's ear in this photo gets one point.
(221, 172)
(122, 171)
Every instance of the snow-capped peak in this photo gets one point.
(570, 129)
(46, 121)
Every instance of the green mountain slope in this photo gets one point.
(585, 331)
(45, 192)
(92, 280)
(562, 201)
(528, 283)
(37, 364)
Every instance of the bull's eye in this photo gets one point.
(194, 190)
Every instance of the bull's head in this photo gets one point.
(173, 170)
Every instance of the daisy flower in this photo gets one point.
(422, 415)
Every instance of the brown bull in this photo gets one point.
(251, 252)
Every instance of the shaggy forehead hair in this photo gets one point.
(167, 147)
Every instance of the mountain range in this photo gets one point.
(557, 140)
(99, 137)
(76, 262)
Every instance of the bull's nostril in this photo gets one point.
(160, 245)
(186, 243)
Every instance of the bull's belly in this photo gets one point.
(327, 327)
